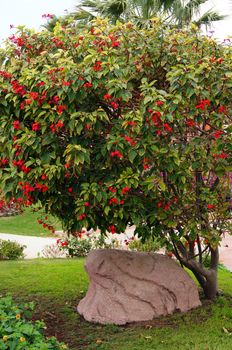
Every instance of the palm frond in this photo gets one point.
(208, 17)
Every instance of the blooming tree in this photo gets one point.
(117, 126)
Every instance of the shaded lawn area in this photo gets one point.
(56, 286)
(26, 224)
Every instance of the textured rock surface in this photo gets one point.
(130, 286)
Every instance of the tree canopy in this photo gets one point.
(115, 126)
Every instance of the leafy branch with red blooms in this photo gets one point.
(116, 126)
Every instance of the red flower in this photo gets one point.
(113, 201)
(34, 95)
(167, 127)
(220, 60)
(223, 155)
(86, 204)
(114, 104)
(70, 189)
(125, 190)
(41, 83)
(111, 189)
(22, 105)
(122, 202)
(159, 103)
(52, 128)
(107, 97)
(203, 104)
(167, 206)
(210, 206)
(87, 85)
(222, 109)
(60, 109)
(115, 43)
(16, 125)
(116, 154)
(66, 83)
(97, 66)
(82, 216)
(131, 123)
(59, 124)
(190, 123)
(217, 134)
(67, 165)
(35, 126)
(64, 244)
(130, 140)
(112, 229)
(43, 177)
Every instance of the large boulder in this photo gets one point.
(128, 286)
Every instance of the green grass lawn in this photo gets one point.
(56, 286)
(26, 224)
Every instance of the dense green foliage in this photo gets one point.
(17, 333)
(118, 125)
(10, 250)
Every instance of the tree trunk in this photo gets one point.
(211, 287)
(207, 278)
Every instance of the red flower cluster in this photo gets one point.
(190, 123)
(202, 104)
(167, 127)
(114, 42)
(3, 162)
(221, 155)
(107, 97)
(87, 85)
(97, 66)
(159, 103)
(82, 216)
(222, 109)
(20, 165)
(55, 127)
(35, 126)
(111, 189)
(18, 88)
(114, 105)
(130, 140)
(41, 83)
(57, 42)
(113, 201)
(125, 190)
(116, 154)
(61, 108)
(5, 75)
(131, 123)
(217, 134)
(41, 187)
(112, 229)
(46, 225)
(34, 95)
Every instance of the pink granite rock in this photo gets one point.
(128, 286)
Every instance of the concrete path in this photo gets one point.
(36, 245)
(225, 252)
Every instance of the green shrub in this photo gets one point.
(151, 245)
(17, 333)
(75, 247)
(11, 250)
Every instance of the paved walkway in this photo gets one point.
(36, 245)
